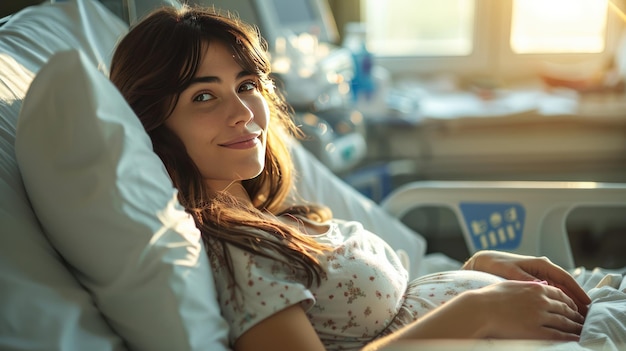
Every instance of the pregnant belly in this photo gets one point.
(430, 291)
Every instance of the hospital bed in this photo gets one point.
(96, 253)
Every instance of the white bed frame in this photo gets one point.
(544, 208)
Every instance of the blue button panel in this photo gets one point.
(494, 226)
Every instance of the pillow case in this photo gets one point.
(132, 11)
(42, 305)
(108, 206)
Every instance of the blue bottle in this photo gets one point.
(362, 83)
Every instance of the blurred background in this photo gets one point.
(394, 91)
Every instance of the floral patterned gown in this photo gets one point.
(365, 293)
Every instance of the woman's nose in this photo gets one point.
(239, 111)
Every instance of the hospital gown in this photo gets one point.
(364, 293)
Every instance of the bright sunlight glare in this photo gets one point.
(548, 26)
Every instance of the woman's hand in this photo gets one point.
(527, 310)
(529, 268)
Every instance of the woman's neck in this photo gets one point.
(235, 189)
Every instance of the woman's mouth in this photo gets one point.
(243, 142)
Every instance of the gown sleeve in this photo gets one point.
(261, 288)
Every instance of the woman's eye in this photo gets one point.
(203, 97)
(248, 86)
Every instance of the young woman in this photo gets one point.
(289, 276)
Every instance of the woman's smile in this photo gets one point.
(243, 142)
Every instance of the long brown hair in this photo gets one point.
(151, 66)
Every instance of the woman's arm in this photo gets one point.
(287, 330)
(507, 310)
(529, 268)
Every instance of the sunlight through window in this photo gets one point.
(420, 27)
(558, 26)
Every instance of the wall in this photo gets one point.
(345, 11)
(8, 7)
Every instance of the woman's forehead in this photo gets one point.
(217, 58)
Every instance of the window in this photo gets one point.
(420, 27)
(506, 38)
(558, 26)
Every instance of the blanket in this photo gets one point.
(605, 325)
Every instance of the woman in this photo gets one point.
(289, 276)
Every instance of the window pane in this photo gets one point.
(558, 26)
(419, 27)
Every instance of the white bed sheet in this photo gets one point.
(605, 325)
(604, 328)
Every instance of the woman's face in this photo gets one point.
(222, 119)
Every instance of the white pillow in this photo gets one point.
(108, 206)
(42, 305)
(133, 11)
